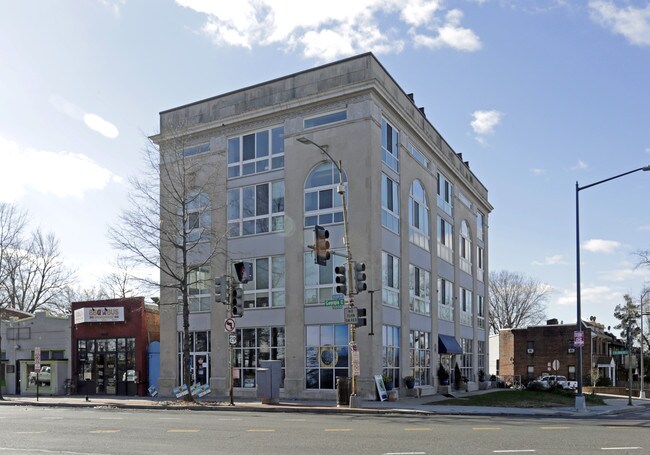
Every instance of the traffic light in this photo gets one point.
(361, 317)
(244, 271)
(341, 287)
(221, 289)
(360, 277)
(321, 245)
(237, 302)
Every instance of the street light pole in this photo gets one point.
(641, 391)
(580, 399)
(348, 254)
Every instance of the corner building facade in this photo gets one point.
(417, 217)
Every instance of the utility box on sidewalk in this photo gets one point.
(269, 376)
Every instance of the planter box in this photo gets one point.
(444, 389)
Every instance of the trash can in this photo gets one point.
(343, 391)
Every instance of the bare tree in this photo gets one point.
(122, 282)
(36, 276)
(12, 224)
(644, 258)
(167, 224)
(516, 300)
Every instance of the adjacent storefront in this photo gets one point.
(109, 345)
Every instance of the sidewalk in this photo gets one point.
(406, 405)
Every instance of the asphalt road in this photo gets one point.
(34, 430)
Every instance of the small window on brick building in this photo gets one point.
(530, 349)
(572, 373)
(531, 372)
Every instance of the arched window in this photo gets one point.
(465, 248)
(323, 204)
(418, 216)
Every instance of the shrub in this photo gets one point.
(603, 381)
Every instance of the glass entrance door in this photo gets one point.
(201, 369)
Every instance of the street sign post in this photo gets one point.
(229, 325)
(620, 352)
(351, 316)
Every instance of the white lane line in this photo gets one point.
(110, 418)
(404, 453)
(57, 452)
(513, 451)
(621, 448)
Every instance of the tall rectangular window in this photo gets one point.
(389, 145)
(389, 203)
(480, 220)
(482, 356)
(256, 152)
(266, 289)
(467, 359)
(326, 356)
(255, 344)
(390, 279)
(419, 290)
(256, 209)
(466, 307)
(445, 300)
(445, 194)
(319, 280)
(420, 356)
(445, 240)
(390, 357)
(480, 311)
(479, 263)
(200, 288)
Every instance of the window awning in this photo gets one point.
(448, 345)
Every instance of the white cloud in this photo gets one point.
(644, 228)
(580, 166)
(590, 296)
(328, 30)
(557, 259)
(113, 5)
(484, 122)
(633, 23)
(537, 171)
(601, 246)
(92, 121)
(62, 174)
(98, 124)
(625, 274)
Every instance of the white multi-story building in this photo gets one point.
(417, 217)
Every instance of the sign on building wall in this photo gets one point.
(99, 314)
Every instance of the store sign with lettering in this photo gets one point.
(99, 314)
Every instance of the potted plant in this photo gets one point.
(409, 381)
(481, 376)
(458, 378)
(443, 376)
(388, 381)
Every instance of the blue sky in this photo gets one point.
(536, 94)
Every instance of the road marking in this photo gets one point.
(555, 428)
(104, 431)
(182, 431)
(30, 432)
(338, 429)
(170, 418)
(486, 428)
(67, 452)
(621, 426)
(418, 429)
(52, 418)
(513, 451)
(404, 453)
(261, 430)
(110, 418)
(620, 448)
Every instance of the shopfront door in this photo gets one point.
(201, 369)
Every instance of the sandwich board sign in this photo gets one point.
(379, 381)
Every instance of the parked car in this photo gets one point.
(551, 380)
(44, 376)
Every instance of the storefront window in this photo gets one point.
(253, 345)
(326, 355)
(107, 366)
(199, 361)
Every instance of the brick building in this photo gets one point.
(528, 352)
(109, 345)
